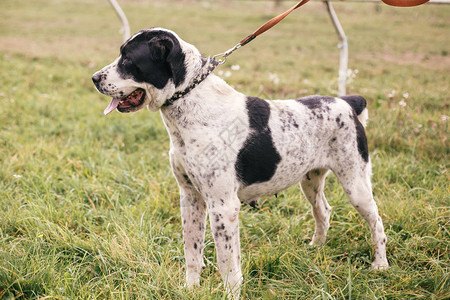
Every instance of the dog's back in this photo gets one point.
(298, 136)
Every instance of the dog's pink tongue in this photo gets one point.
(112, 106)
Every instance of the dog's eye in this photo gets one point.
(126, 61)
(128, 67)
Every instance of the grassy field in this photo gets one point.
(88, 205)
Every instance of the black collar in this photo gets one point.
(211, 65)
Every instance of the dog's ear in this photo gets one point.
(166, 49)
(159, 48)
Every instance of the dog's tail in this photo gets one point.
(359, 104)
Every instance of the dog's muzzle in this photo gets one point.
(127, 103)
(123, 104)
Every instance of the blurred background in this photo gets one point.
(88, 205)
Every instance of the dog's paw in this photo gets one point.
(191, 283)
(382, 265)
(318, 240)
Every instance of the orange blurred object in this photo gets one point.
(404, 3)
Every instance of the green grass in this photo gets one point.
(88, 205)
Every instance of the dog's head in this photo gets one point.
(152, 65)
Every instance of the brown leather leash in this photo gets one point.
(222, 57)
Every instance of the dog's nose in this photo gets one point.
(96, 78)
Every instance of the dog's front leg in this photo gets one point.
(224, 218)
(193, 216)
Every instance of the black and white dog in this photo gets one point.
(226, 147)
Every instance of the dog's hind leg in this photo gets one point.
(356, 183)
(312, 187)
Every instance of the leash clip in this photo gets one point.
(222, 57)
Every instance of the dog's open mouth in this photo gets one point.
(126, 103)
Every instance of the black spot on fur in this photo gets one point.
(258, 113)
(220, 227)
(315, 101)
(152, 56)
(258, 159)
(287, 119)
(186, 178)
(195, 245)
(339, 122)
(361, 139)
(358, 103)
